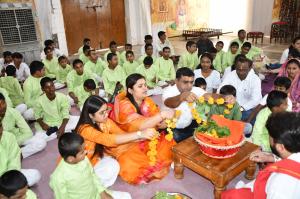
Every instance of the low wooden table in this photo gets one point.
(219, 171)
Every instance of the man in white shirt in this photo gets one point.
(22, 69)
(247, 85)
(56, 52)
(279, 180)
(5, 61)
(177, 97)
(163, 42)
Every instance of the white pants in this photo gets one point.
(33, 176)
(120, 195)
(107, 169)
(33, 145)
(59, 85)
(29, 114)
(21, 108)
(73, 120)
(71, 101)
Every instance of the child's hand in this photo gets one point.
(149, 133)
(104, 195)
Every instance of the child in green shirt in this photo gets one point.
(228, 57)
(13, 184)
(113, 48)
(84, 56)
(217, 63)
(189, 58)
(83, 92)
(123, 58)
(130, 64)
(63, 69)
(95, 65)
(50, 63)
(166, 67)
(148, 52)
(74, 176)
(149, 71)
(86, 42)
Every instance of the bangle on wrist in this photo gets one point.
(139, 134)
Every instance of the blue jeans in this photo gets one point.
(182, 134)
(246, 114)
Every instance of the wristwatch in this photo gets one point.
(139, 134)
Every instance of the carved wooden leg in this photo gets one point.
(218, 190)
(250, 171)
(178, 167)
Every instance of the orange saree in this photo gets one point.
(134, 163)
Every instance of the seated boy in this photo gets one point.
(217, 63)
(11, 156)
(246, 50)
(74, 177)
(86, 42)
(32, 89)
(51, 44)
(148, 52)
(83, 92)
(50, 63)
(84, 56)
(14, 123)
(276, 102)
(95, 65)
(63, 70)
(201, 83)
(113, 74)
(113, 48)
(22, 68)
(228, 57)
(5, 61)
(128, 47)
(76, 78)
(52, 112)
(130, 65)
(189, 58)
(166, 67)
(148, 40)
(13, 184)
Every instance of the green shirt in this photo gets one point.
(52, 112)
(253, 49)
(95, 68)
(75, 181)
(61, 75)
(74, 80)
(123, 58)
(217, 63)
(32, 90)
(189, 60)
(118, 55)
(6, 96)
(228, 59)
(81, 94)
(30, 194)
(235, 112)
(10, 153)
(129, 67)
(149, 73)
(141, 59)
(84, 58)
(111, 77)
(13, 88)
(166, 69)
(260, 135)
(51, 67)
(14, 123)
(80, 50)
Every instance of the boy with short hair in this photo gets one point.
(228, 57)
(84, 56)
(50, 63)
(74, 176)
(166, 66)
(32, 89)
(217, 63)
(189, 58)
(22, 69)
(14, 123)
(51, 44)
(86, 42)
(113, 48)
(76, 78)
(162, 43)
(149, 71)
(276, 102)
(95, 65)
(148, 40)
(201, 83)
(83, 92)
(52, 112)
(6, 60)
(148, 49)
(63, 70)
(113, 74)
(130, 65)
(246, 50)
(123, 58)
(13, 184)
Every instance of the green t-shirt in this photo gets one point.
(111, 77)
(141, 59)
(166, 69)
(130, 68)
(74, 80)
(189, 60)
(32, 90)
(13, 88)
(61, 75)
(151, 74)
(51, 67)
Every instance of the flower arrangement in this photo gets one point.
(171, 124)
(165, 195)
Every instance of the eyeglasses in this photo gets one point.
(105, 111)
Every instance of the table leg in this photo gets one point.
(250, 171)
(178, 168)
(218, 190)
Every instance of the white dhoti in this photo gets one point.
(33, 176)
(33, 145)
(120, 195)
(29, 114)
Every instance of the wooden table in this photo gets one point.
(219, 172)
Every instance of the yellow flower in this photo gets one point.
(152, 159)
(226, 111)
(198, 120)
(204, 123)
(201, 100)
(152, 163)
(220, 101)
(190, 104)
(211, 101)
(169, 137)
(177, 113)
(229, 106)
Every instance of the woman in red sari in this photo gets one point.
(135, 111)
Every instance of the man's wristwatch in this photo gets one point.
(139, 134)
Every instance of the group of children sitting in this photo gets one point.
(28, 93)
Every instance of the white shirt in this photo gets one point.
(186, 117)
(263, 102)
(284, 56)
(23, 72)
(226, 72)
(2, 65)
(282, 186)
(57, 53)
(248, 91)
(159, 47)
(212, 81)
